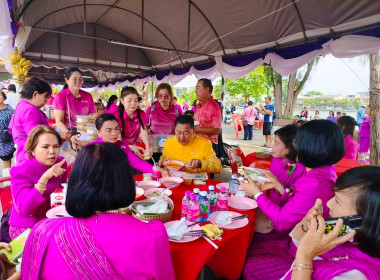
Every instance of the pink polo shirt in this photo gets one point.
(162, 121)
(209, 115)
(114, 109)
(25, 119)
(132, 126)
(83, 105)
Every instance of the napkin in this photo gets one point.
(240, 193)
(177, 230)
(158, 207)
(224, 218)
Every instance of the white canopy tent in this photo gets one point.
(119, 42)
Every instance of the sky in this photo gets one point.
(330, 76)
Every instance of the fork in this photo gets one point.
(239, 217)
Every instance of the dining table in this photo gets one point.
(225, 262)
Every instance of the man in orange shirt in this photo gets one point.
(208, 114)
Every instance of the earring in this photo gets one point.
(32, 154)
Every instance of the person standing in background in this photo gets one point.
(365, 138)
(304, 114)
(360, 115)
(249, 114)
(268, 111)
(185, 106)
(208, 114)
(233, 107)
(174, 101)
(111, 107)
(331, 117)
(13, 98)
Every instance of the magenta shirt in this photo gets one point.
(136, 250)
(317, 183)
(114, 109)
(351, 148)
(134, 161)
(29, 206)
(162, 121)
(132, 126)
(209, 115)
(249, 114)
(83, 105)
(25, 119)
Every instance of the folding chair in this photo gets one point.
(236, 158)
(5, 195)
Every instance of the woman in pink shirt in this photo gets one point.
(108, 131)
(111, 107)
(70, 102)
(161, 116)
(319, 144)
(99, 241)
(34, 180)
(249, 115)
(28, 115)
(132, 121)
(348, 124)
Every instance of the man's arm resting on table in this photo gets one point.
(207, 130)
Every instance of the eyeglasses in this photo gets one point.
(110, 131)
(77, 80)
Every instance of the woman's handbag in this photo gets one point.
(245, 123)
(5, 136)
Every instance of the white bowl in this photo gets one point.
(168, 181)
(148, 184)
(149, 191)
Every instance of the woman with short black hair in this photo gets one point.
(100, 241)
(357, 192)
(111, 107)
(27, 116)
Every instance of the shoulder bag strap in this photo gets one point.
(68, 110)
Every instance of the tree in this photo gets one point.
(374, 103)
(344, 103)
(356, 103)
(252, 85)
(296, 83)
(188, 95)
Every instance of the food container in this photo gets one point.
(200, 179)
(58, 197)
(92, 118)
(168, 181)
(91, 130)
(253, 172)
(147, 176)
(164, 217)
(83, 119)
(81, 125)
(81, 129)
(174, 165)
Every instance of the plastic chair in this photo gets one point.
(233, 155)
(68, 169)
(238, 123)
(5, 195)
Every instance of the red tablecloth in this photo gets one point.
(345, 164)
(227, 261)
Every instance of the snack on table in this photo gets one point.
(212, 231)
(174, 165)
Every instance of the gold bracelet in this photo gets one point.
(42, 183)
(40, 189)
(302, 264)
(302, 268)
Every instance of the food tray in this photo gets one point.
(164, 217)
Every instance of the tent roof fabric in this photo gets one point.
(195, 31)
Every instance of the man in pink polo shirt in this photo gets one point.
(208, 114)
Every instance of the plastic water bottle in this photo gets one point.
(196, 191)
(204, 207)
(193, 209)
(156, 172)
(212, 198)
(233, 185)
(185, 202)
(222, 200)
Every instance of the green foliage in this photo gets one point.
(105, 95)
(188, 95)
(252, 85)
(356, 103)
(315, 93)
